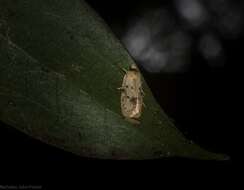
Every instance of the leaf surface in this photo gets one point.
(60, 67)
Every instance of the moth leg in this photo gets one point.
(142, 92)
(121, 88)
(144, 105)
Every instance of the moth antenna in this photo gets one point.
(124, 70)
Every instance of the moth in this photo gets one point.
(132, 95)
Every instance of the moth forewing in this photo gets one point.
(131, 94)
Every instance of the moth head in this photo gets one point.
(134, 67)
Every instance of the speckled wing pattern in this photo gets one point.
(131, 96)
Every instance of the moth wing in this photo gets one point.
(126, 105)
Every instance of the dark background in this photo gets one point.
(200, 100)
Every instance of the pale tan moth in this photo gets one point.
(132, 94)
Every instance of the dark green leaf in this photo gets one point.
(60, 66)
